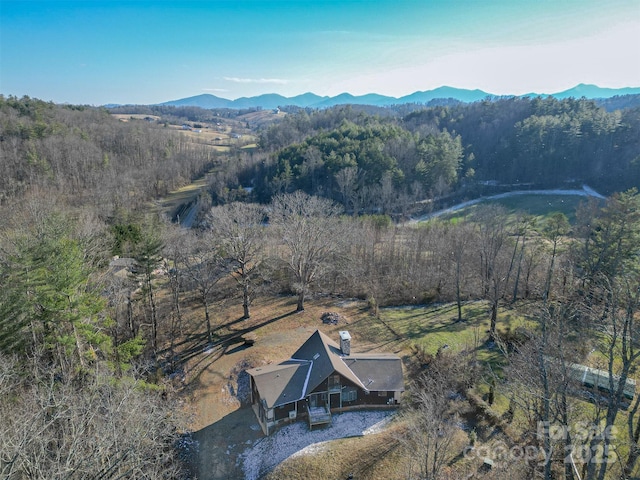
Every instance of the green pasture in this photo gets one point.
(433, 326)
(540, 206)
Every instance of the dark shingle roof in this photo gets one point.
(326, 357)
(281, 384)
(377, 372)
(314, 361)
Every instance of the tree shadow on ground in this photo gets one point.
(239, 348)
(197, 345)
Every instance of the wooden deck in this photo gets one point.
(319, 416)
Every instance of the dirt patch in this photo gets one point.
(218, 387)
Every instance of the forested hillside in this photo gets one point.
(518, 142)
(109, 312)
(88, 157)
(367, 159)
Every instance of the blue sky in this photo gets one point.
(97, 52)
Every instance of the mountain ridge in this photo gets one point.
(309, 99)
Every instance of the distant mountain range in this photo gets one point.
(273, 100)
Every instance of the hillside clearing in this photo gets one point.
(536, 202)
(225, 426)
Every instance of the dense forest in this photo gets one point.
(515, 143)
(96, 289)
(89, 157)
(370, 160)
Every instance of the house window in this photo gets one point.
(349, 394)
(334, 382)
(382, 393)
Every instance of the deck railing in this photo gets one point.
(319, 416)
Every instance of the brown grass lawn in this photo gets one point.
(222, 420)
(216, 387)
(216, 140)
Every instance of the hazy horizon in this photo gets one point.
(142, 52)
(220, 95)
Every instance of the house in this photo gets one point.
(122, 267)
(322, 377)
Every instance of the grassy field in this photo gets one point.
(125, 117)
(544, 205)
(219, 140)
(225, 425)
(279, 332)
(540, 206)
(170, 203)
(431, 327)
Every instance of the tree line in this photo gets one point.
(388, 162)
(368, 160)
(90, 157)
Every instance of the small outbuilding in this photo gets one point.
(596, 385)
(321, 378)
(597, 382)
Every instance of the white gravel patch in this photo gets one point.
(296, 439)
(377, 427)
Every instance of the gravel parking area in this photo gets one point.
(296, 439)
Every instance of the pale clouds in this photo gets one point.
(608, 58)
(277, 81)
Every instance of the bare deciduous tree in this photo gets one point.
(346, 179)
(460, 239)
(492, 226)
(430, 439)
(205, 267)
(241, 232)
(53, 429)
(311, 232)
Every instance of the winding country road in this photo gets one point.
(585, 192)
(189, 216)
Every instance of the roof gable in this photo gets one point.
(326, 357)
(312, 364)
(281, 384)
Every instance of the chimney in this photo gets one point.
(345, 342)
